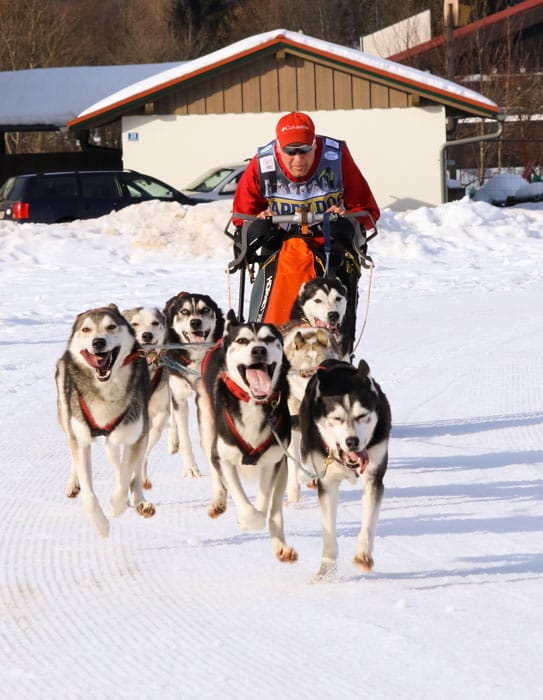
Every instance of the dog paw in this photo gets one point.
(147, 485)
(100, 524)
(191, 472)
(252, 520)
(73, 489)
(118, 505)
(326, 574)
(293, 497)
(364, 562)
(313, 484)
(287, 554)
(216, 509)
(173, 448)
(146, 509)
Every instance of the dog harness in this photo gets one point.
(105, 430)
(250, 453)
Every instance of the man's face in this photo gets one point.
(296, 161)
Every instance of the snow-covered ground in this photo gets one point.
(182, 607)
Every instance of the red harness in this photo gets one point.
(104, 430)
(250, 453)
(155, 379)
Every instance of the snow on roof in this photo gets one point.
(379, 66)
(53, 96)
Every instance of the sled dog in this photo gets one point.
(149, 325)
(305, 348)
(245, 426)
(322, 302)
(103, 390)
(196, 322)
(345, 425)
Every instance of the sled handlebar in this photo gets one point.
(302, 218)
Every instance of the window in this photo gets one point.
(57, 186)
(142, 187)
(100, 186)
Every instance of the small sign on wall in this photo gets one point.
(133, 136)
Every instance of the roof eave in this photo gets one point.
(111, 112)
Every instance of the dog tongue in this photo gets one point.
(259, 381)
(196, 337)
(95, 361)
(360, 457)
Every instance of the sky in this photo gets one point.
(181, 606)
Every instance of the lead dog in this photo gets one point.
(195, 322)
(149, 324)
(103, 390)
(345, 424)
(245, 426)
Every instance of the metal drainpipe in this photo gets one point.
(472, 139)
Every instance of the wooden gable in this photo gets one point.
(280, 82)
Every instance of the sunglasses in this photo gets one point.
(293, 150)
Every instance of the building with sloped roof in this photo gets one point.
(218, 108)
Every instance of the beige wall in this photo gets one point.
(398, 150)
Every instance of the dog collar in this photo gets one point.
(130, 358)
(243, 395)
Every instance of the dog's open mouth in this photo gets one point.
(330, 327)
(352, 459)
(258, 378)
(102, 362)
(195, 336)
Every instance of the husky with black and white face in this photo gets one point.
(103, 390)
(322, 303)
(149, 324)
(245, 426)
(306, 347)
(195, 322)
(345, 427)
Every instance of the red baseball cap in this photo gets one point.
(295, 128)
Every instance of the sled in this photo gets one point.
(276, 275)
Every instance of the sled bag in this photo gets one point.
(294, 265)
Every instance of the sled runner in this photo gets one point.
(292, 249)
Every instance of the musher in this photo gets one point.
(301, 169)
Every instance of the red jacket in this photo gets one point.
(357, 195)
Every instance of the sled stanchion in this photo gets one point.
(327, 241)
(241, 298)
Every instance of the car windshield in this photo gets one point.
(211, 180)
(141, 186)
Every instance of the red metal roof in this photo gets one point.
(528, 13)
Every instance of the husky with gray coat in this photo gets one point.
(149, 325)
(345, 424)
(103, 390)
(245, 426)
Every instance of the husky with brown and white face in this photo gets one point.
(245, 426)
(103, 390)
(149, 325)
(345, 424)
(195, 322)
